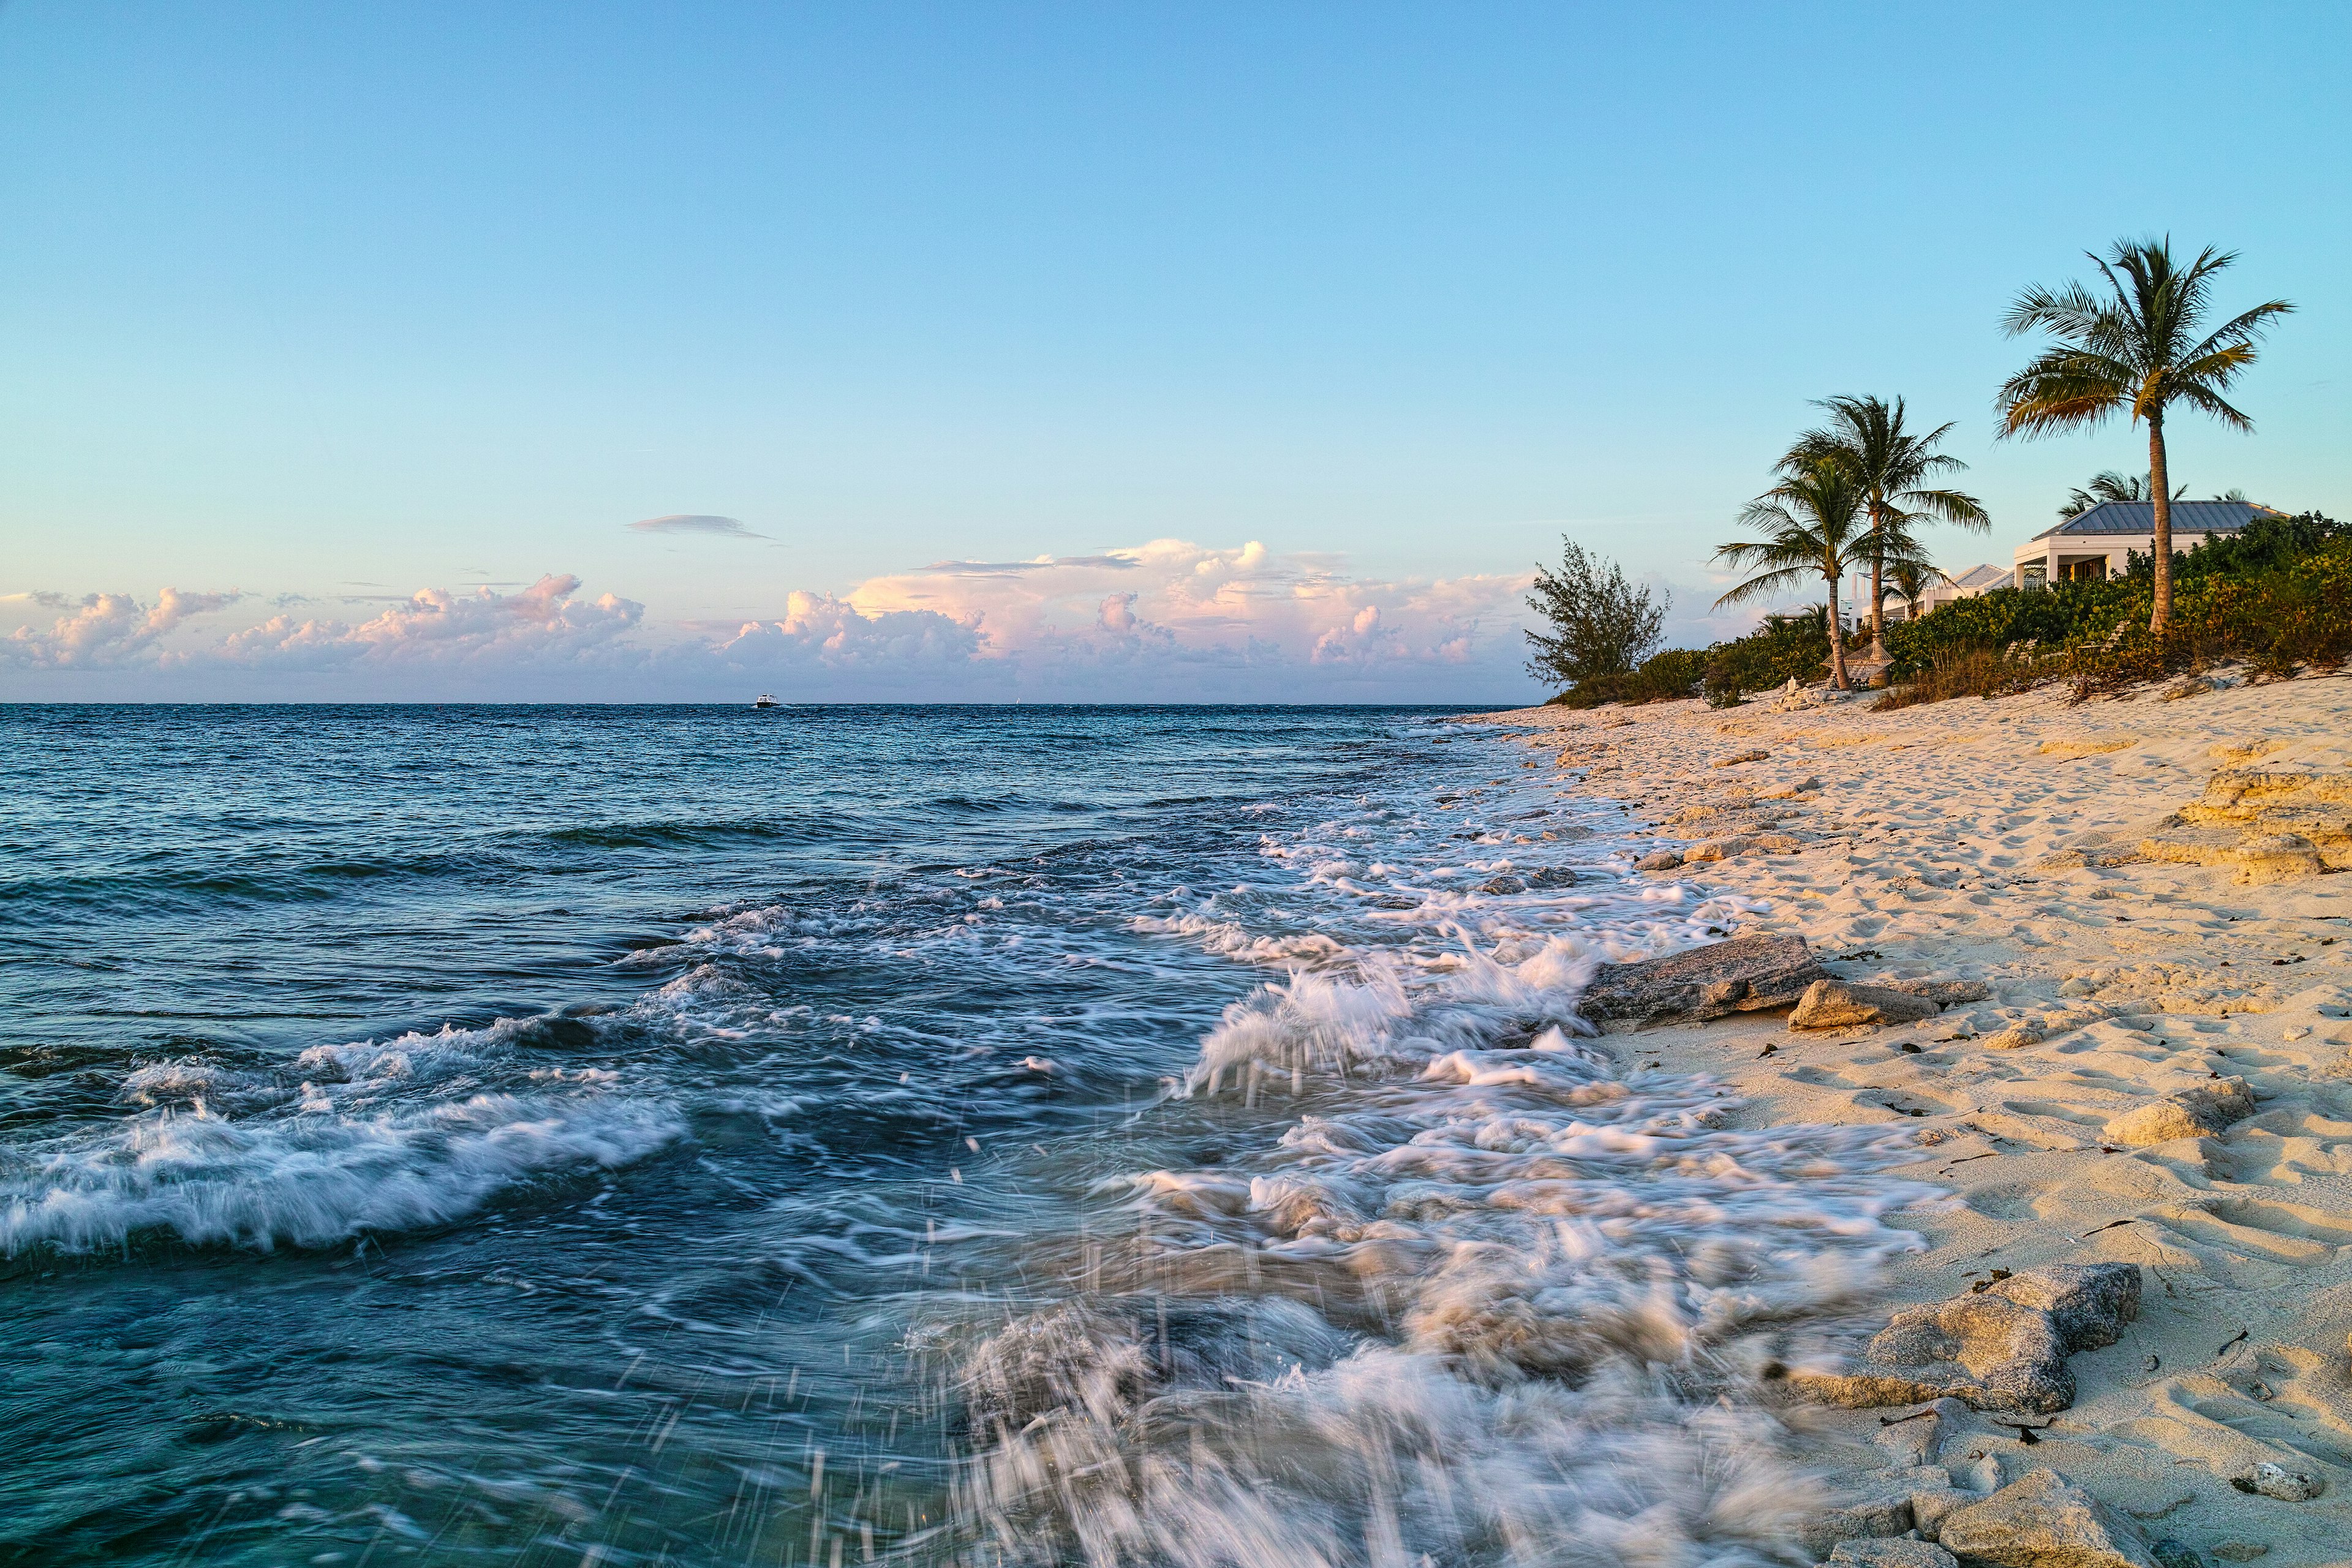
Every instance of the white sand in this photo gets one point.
(1922, 853)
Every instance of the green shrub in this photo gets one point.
(1788, 645)
(1661, 678)
(2052, 617)
(2293, 614)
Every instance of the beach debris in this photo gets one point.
(1737, 758)
(2043, 1521)
(2000, 1345)
(1840, 1004)
(1894, 1553)
(2277, 1481)
(1743, 975)
(2195, 1113)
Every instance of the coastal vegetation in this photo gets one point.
(1602, 626)
(1891, 466)
(2134, 350)
(1810, 524)
(1851, 493)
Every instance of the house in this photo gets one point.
(1965, 585)
(2095, 545)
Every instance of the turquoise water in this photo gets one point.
(548, 1135)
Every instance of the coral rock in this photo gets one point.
(1838, 1005)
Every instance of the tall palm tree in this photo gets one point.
(1812, 525)
(1891, 467)
(2133, 350)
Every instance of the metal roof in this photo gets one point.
(2139, 516)
(1979, 576)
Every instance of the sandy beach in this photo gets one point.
(2039, 849)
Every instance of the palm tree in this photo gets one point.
(1813, 525)
(1891, 467)
(1912, 579)
(2134, 351)
(2107, 485)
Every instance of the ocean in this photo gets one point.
(588, 1135)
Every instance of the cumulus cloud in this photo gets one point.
(695, 522)
(109, 629)
(547, 623)
(1167, 621)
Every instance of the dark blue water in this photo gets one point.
(705, 1136)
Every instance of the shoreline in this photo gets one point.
(2001, 842)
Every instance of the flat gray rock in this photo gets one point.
(2043, 1521)
(1744, 974)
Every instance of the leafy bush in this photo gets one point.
(1600, 624)
(1968, 669)
(2289, 616)
(1661, 678)
(1788, 646)
(2052, 616)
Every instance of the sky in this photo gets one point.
(976, 351)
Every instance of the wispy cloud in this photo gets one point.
(695, 522)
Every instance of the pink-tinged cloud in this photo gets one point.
(1168, 621)
(109, 629)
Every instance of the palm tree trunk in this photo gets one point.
(1878, 575)
(2159, 484)
(1837, 639)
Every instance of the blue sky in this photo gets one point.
(325, 306)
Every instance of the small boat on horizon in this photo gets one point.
(767, 701)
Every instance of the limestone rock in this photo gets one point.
(2001, 1347)
(1738, 757)
(2043, 1521)
(1552, 877)
(2172, 1553)
(1740, 975)
(2260, 857)
(1506, 883)
(1896, 1553)
(1882, 1513)
(2196, 1112)
(1930, 1505)
(1659, 860)
(2277, 1481)
(1839, 1004)
(1720, 848)
(2241, 1550)
(2016, 1037)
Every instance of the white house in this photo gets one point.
(2093, 544)
(1965, 585)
